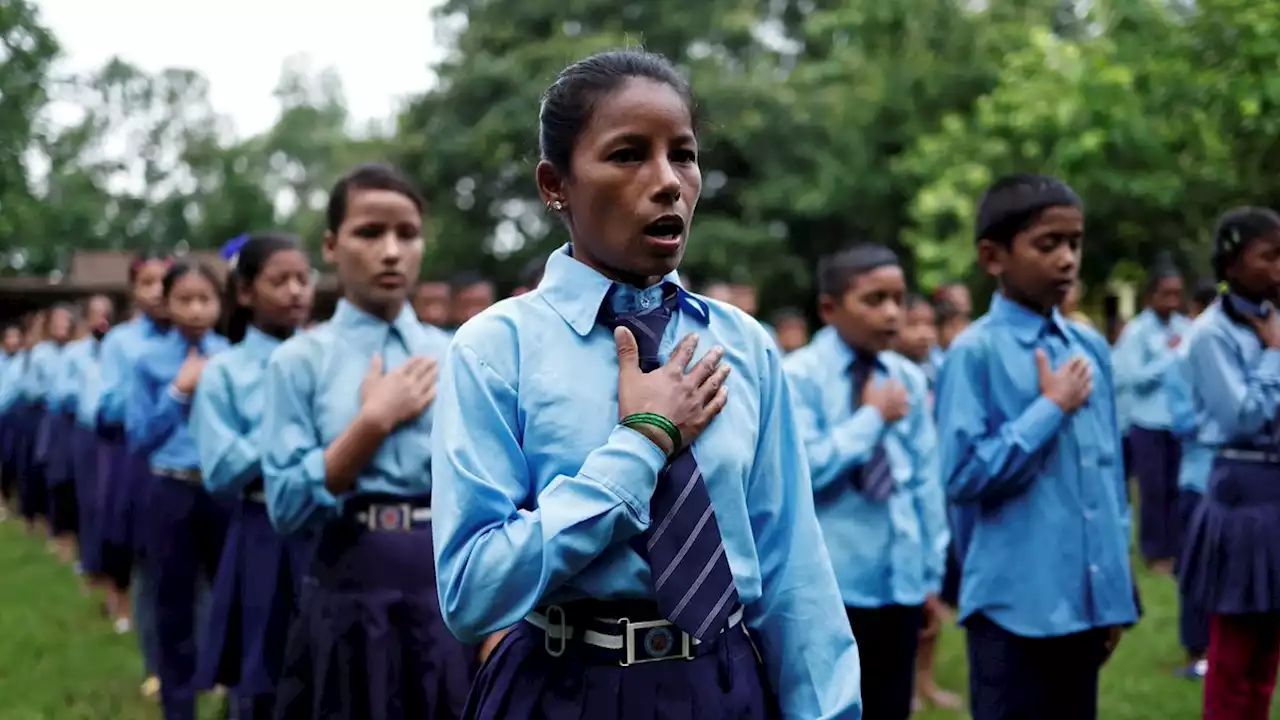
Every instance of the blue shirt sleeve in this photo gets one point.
(153, 410)
(980, 461)
(115, 376)
(229, 460)
(498, 550)
(926, 487)
(808, 649)
(293, 470)
(832, 451)
(1134, 370)
(1240, 399)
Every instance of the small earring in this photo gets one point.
(556, 205)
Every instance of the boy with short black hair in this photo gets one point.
(1030, 457)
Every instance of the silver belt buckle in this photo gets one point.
(659, 638)
(390, 518)
(556, 650)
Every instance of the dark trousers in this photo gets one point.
(887, 640)
(1193, 621)
(1157, 458)
(183, 546)
(1019, 678)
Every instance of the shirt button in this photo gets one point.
(644, 301)
(1088, 515)
(1093, 569)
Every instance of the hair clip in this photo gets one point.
(231, 249)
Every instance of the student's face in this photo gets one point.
(1166, 296)
(377, 250)
(431, 303)
(193, 304)
(1071, 302)
(470, 301)
(1040, 266)
(97, 317)
(950, 330)
(280, 296)
(148, 287)
(793, 334)
(959, 297)
(12, 340)
(36, 329)
(633, 183)
(745, 298)
(918, 335)
(869, 314)
(1257, 270)
(59, 325)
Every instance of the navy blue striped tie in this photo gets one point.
(875, 478)
(693, 585)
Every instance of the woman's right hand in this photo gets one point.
(690, 399)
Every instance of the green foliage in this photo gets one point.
(825, 122)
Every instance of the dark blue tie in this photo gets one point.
(875, 478)
(693, 584)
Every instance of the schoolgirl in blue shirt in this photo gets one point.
(184, 526)
(1030, 454)
(1193, 477)
(82, 387)
(346, 430)
(259, 575)
(1233, 543)
(124, 476)
(1147, 370)
(866, 420)
(642, 529)
(37, 384)
(10, 361)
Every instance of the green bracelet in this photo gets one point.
(657, 421)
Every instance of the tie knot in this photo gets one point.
(647, 325)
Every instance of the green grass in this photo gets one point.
(59, 659)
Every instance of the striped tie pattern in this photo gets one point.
(875, 478)
(693, 584)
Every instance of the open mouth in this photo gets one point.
(668, 228)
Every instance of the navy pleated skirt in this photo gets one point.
(84, 471)
(369, 642)
(123, 479)
(1232, 552)
(8, 472)
(64, 508)
(522, 680)
(32, 491)
(254, 600)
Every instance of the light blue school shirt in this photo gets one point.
(226, 418)
(1038, 496)
(5, 360)
(1235, 381)
(1148, 371)
(155, 413)
(121, 348)
(66, 386)
(538, 489)
(38, 378)
(312, 395)
(1197, 458)
(85, 366)
(11, 381)
(884, 553)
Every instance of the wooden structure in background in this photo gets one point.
(107, 272)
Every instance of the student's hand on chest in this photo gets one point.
(402, 395)
(889, 398)
(1070, 386)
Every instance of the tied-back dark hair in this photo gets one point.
(567, 106)
(145, 257)
(1235, 230)
(179, 270)
(368, 177)
(245, 266)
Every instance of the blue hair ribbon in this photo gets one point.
(232, 247)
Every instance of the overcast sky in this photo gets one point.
(381, 48)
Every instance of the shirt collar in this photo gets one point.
(258, 343)
(348, 316)
(1027, 326)
(845, 356)
(576, 292)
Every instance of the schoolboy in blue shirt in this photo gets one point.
(1030, 456)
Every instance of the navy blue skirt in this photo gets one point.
(254, 599)
(369, 641)
(32, 492)
(8, 472)
(64, 508)
(521, 680)
(1232, 551)
(84, 471)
